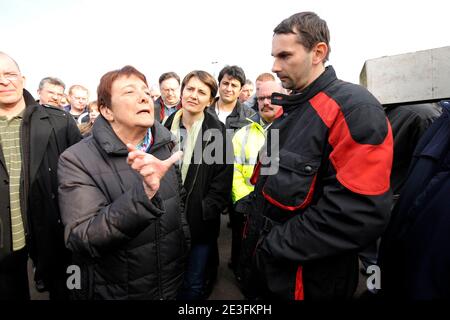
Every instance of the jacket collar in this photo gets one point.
(31, 106)
(210, 121)
(234, 113)
(105, 136)
(255, 118)
(296, 98)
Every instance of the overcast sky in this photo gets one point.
(78, 41)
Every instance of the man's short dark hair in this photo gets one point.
(309, 28)
(169, 75)
(234, 72)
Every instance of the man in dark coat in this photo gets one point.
(234, 115)
(409, 122)
(32, 138)
(169, 101)
(415, 249)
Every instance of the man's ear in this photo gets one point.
(320, 51)
(106, 113)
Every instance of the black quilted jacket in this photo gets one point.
(127, 246)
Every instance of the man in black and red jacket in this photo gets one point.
(330, 195)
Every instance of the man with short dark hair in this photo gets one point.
(330, 197)
(169, 101)
(31, 139)
(246, 92)
(227, 107)
(233, 115)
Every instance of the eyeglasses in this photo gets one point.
(10, 76)
(261, 99)
(167, 90)
(79, 98)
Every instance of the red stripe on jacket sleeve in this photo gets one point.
(299, 290)
(361, 168)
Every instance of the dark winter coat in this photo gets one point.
(160, 111)
(45, 133)
(409, 122)
(208, 186)
(415, 249)
(237, 118)
(127, 246)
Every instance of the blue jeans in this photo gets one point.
(194, 277)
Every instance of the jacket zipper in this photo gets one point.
(158, 232)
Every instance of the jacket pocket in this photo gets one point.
(292, 187)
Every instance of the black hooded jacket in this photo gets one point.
(208, 186)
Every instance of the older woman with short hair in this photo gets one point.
(120, 200)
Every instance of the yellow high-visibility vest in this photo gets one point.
(247, 142)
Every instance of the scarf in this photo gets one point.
(190, 139)
(146, 143)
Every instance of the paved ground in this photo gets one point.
(33, 293)
(226, 288)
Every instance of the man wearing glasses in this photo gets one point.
(169, 101)
(31, 139)
(78, 98)
(51, 92)
(247, 142)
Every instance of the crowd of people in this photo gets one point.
(313, 172)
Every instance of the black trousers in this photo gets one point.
(14, 276)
